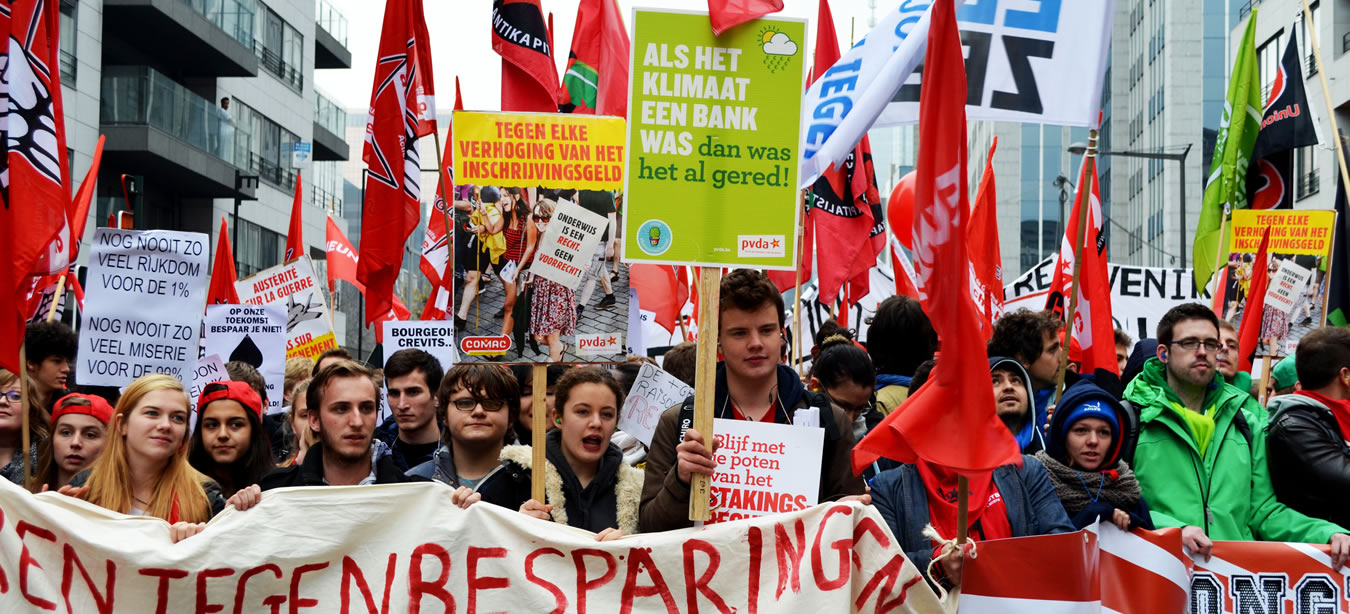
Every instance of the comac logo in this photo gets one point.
(485, 346)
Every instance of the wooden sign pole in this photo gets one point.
(26, 435)
(705, 384)
(538, 428)
(797, 299)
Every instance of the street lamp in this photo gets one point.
(1080, 149)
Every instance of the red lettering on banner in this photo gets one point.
(789, 557)
(162, 590)
(4, 580)
(104, 605)
(639, 559)
(240, 588)
(297, 601)
(890, 573)
(26, 560)
(352, 571)
(202, 576)
(844, 546)
(417, 587)
(756, 539)
(583, 585)
(477, 582)
(870, 527)
(693, 586)
(559, 599)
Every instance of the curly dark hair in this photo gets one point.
(46, 339)
(900, 337)
(748, 290)
(1181, 313)
(1021, 334)
(585, 375)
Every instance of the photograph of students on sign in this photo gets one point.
(1297, 256)
(536, 275)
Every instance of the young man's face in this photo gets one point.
(1045, 368)
(1226, 359)
(50, 374)
(482, 426)
(1122, 357)
(1193, 366)
(750, 341)
(414, 405)
(1011, 398)
(346, 418)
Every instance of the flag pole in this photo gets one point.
(1085, 194)
(1326, 95)
(1219, 252)
(27, 434)
(61, 287)
(1265, 372)
(538, 427)
(797, 297)
(962, 509)
(449, 232)
(705, 383)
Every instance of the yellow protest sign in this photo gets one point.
(556, 150)
(1293, 232)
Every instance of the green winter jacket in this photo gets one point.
(1231, 480)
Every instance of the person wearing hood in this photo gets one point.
(1035, 339)
(1201, 459)
(586, 483)
(1084, 457)
(1012, 402)
(1309, 432)
(750, 385)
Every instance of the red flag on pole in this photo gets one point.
(661, 291)
(727, 14)
(986, 259)
(295, 236)
(437, 243)
(84, 197)
(596, 79)
(1093, 328)
(521, 37)
(950, 421)
(343, 263)
(223, 275)
(1249, 337)
(402, 108)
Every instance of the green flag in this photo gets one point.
(1227, 182)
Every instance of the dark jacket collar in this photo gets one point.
(311, 471)
(790, 390)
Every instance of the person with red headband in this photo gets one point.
(79, 432)
(230, 444)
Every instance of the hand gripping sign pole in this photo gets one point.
(705, 384)
(1083, 207)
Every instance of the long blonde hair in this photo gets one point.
(110, 478)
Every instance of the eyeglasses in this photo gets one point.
(541, 218)
(470, 404)
(1190, 343)
(12, 396)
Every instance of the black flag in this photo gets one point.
(1285, 125)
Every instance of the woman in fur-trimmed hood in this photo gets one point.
(587, 485)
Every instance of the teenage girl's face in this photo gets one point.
(300, 417)
(541, 217)
(10, 419)
(77, 441)
(1087, 443)
(156, 428)
(226, 431)
(588, 421)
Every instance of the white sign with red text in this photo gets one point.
(654, 391)
(568, 244)
(764, 468)
(309, 327)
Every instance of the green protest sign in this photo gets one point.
(712, 141)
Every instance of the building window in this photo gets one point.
(258, 249)
(1305, 41)
(280, 49)
(68, 36)
(263, 147)
(1305, 169)
(1268, 62)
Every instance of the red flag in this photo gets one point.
(596, 79)
(35, 216)
(223, 274)
(295, 236)
(986, 259)
(660, 290)
(727, 14)
(1249, 337)
(343, 263)
(950, 421)
(79, 207)
(437, 241)
(1093, 328)
(402, 108)
(521, 37)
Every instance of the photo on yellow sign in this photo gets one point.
(1298, 252)
(549, 150)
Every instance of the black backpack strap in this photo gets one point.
(1240, 422)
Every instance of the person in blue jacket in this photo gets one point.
(1085, 454)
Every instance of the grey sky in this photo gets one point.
(461, 42)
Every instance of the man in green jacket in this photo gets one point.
(1201, 455)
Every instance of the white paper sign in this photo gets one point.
(255, 334)
(764, 469)
(144, 296)
(209, 369)
(309, 328)
(435, 337)
(1286, 285)
(568, 244)
(654, 391)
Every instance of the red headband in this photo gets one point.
(232, 390)
(98, 407)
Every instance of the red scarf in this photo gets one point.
(987, 520)
(1340, 409)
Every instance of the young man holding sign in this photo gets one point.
(751, 385)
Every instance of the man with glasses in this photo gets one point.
(481, 401)
(1201, 456)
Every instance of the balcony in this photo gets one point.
(288, 73)
(157, 128)
(330, 123)
(330, 38)
(1308, 184)
(201, 38)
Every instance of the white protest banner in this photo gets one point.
(255, 334)
(210, 368)
(1034, 62)
(144, 292)
(567, 245)
(1286, 285)
(309, 328)
(309, 550)
(764, 468)
(654, 391)
(435, 337)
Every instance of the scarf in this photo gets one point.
(1077, 489)
(941, 487)
(1340, 409)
